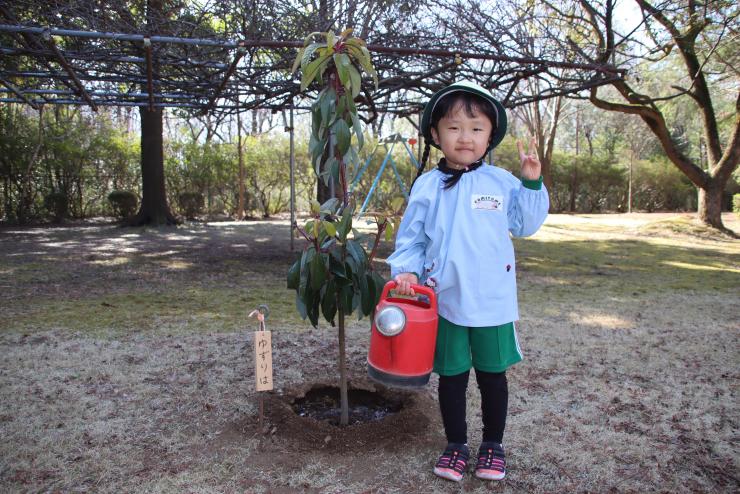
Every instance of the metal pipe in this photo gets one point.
(299, 44)
(149, 83)
(50, 40)
(64, 92)
(116, 58)
(292, 179)
(17, 92)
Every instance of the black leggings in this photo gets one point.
(494, 393)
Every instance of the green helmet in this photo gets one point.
(470, 87)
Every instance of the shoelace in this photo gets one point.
(491, 459)
(454, 459)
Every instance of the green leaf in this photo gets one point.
(318, 272)
(304, 273)
(329, 302)
(330, 39)
(301, 306)
(351, 104)
(350, 265)
(357, 252)
(367, 292)
(334, 170)
(343, 136)
(346, 63)
(388, 231)
(312, 308)
(330, 206)
(326, 103)
(337, 268)
(346, 295)
(345, 226)
(341, 68)
(379, 283)
(294, 275)
(309, 51)
(355, 79)
(312, 70)
(357, 127)
(331, 230)
(315, 206)
(328, 169)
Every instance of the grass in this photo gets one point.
(125, 364)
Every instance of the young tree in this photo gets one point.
(334, 273)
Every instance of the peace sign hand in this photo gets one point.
(531, 167)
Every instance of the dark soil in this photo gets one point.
(378, 416)
(323, 404)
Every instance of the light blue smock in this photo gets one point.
(458, 241)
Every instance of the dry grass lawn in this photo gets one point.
(126, 366)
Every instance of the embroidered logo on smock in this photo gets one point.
(486, 201)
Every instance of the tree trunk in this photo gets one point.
(574, 188)
(710, 204)
(344, 402)
(154, 209)
(242, 191)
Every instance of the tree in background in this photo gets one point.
(703, 38)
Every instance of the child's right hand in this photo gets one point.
(404, 282)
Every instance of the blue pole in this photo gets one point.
(398, 178)
(411, 154)
(375, 182)
(362, 170)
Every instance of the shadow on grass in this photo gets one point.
(208, 277)
(628, 265)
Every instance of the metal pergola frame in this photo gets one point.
(218, 92)
(235, 86)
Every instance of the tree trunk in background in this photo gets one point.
(154, 209)
(710, 204)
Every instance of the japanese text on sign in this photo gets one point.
(263, 360)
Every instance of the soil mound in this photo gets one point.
(379, 416)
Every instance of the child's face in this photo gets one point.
(462, 138)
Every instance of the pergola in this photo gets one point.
(229, 76)
(43, 65)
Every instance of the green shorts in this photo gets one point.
(489, 349)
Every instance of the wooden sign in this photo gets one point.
(263, 360)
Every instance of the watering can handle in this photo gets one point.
(418, 289)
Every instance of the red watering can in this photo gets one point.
(403, 337)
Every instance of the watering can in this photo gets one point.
(403, 338)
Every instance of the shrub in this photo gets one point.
(736, 204)
(123, 202)
(191, 204)
(57, 203)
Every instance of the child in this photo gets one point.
(454, 237)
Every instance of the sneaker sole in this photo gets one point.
(490, 476)
(448, 474)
